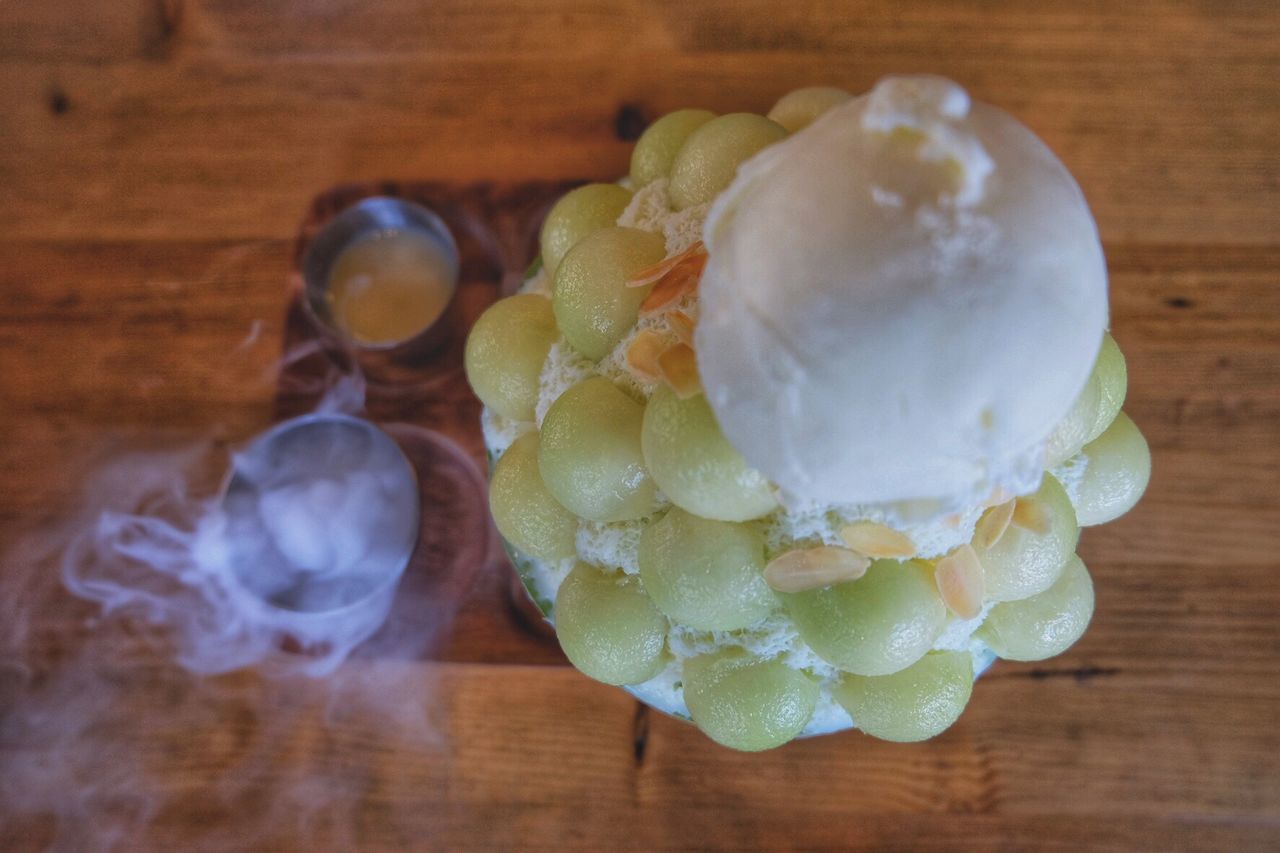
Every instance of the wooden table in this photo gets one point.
(155, 159)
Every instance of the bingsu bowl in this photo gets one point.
(794, 428)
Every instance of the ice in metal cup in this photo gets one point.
(321, 516)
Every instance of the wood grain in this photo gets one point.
(529, 778)
(155, 160)
(1163, 110)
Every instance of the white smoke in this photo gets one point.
(236, 578)
(129, 650)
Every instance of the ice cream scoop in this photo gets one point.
(901, 301)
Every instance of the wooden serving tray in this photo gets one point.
(460, 599)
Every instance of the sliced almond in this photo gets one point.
(992, 525)
(681, 324)
(643, 354)
(814, 568)
(679, 367)
(960, 582)
(678, 283)
(878, 541)
(649, 275)
(1031, 514)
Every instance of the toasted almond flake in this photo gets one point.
(877, 541)
(679, 367)
(681, 324)
(649, 275)
(961, 583)
(814, 568)
(992, 525)
(675, 285)
(643, 353)
(1030, 514)
(953, 520)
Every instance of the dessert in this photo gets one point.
(794, 428)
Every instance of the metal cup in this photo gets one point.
(379, 215)
(319, 614)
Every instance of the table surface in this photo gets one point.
(156, 158)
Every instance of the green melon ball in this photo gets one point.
(505, 353)
(608, 627)
(695, 465)
(798, 109)
(705, 574)
(1094, 409)
(1024, 562)
(578, 213)
(589, 453)
(524, 510)
(1043, 625)
(710, 157)
(746, 703)
(876, 625)
(912, 705)
(593, 305)
(1116, 474)
(657, 147)
(1072, 432)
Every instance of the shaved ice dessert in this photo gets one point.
(795, 427)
